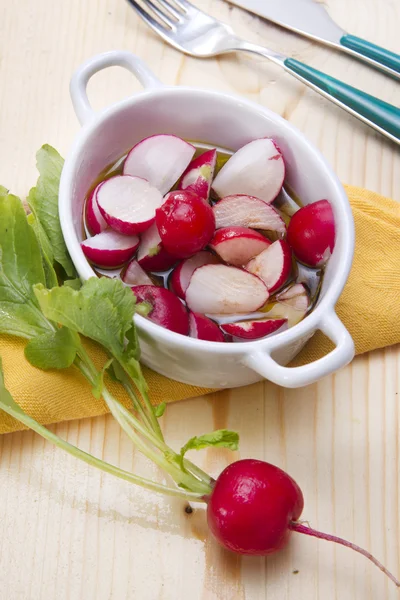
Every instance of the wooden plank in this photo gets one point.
(68, 532)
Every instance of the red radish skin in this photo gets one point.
(237, 245)
(165, 308)
(94, 221)
(273, 265)
(225, 290)
(247, 211)
(198, 176)
(152, 256)
(161, 159)
(110, 249)
(295, 296)
(257, 169)
(311, 233)
(185, 223)
(253, 330)
(251, 507)
(128, 204)
(180, 276)
(202, 328)
(133, 274)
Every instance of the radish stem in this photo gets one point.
(296, 526)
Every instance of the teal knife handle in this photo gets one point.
(384, 57)
(377, 113)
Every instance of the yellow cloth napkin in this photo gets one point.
(369, 307)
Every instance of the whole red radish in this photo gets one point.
(165, 308)
(180, 276)
(203, 328)
(185, 223)
(254, 506)
(311, 233)
(198, 176)
(110, 249)
(251, 507)
(94, 220)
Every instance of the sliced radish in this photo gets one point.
(296, 296)
(273, 265)
(257, 169)
(185, 223)
(161, 159)
(94, 221)
(247, 211)
(253, 330)
(311, 233)
(152, 256)
(202, 328)
(128, 204)
(198, 176)
(238, 245)
(133, 274)
(182, 273)
(110, 249)
(224, 290)
(165, 308)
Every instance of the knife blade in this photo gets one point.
(311, 19)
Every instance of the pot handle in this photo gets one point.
(262, 362)
(116, 58)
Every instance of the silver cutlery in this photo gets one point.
(195, 33)
(310, 18)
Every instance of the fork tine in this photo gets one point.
(160, 14)
(148, 19)
(171, 9)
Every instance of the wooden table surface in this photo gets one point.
(69, 532)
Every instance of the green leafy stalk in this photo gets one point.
(9, 406)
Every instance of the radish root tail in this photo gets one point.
(299, 528)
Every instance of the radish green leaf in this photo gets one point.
(53, 350)
(43, 202)
(20, 268)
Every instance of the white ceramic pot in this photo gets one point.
(227, 121)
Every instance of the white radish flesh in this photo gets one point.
(110, 249)
(161, 159)
(253, 330)
(180, 276)
(225, 290)
(128, 204)
(257, 169)
(247, 211)
(238, 245)
(198, 176)
(273, 265)
(94, 220)
(152, 255)
(133, 275)
(296, 296)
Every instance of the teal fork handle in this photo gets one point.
(378, 114)
(380, 55)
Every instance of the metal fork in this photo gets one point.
(195, 33)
